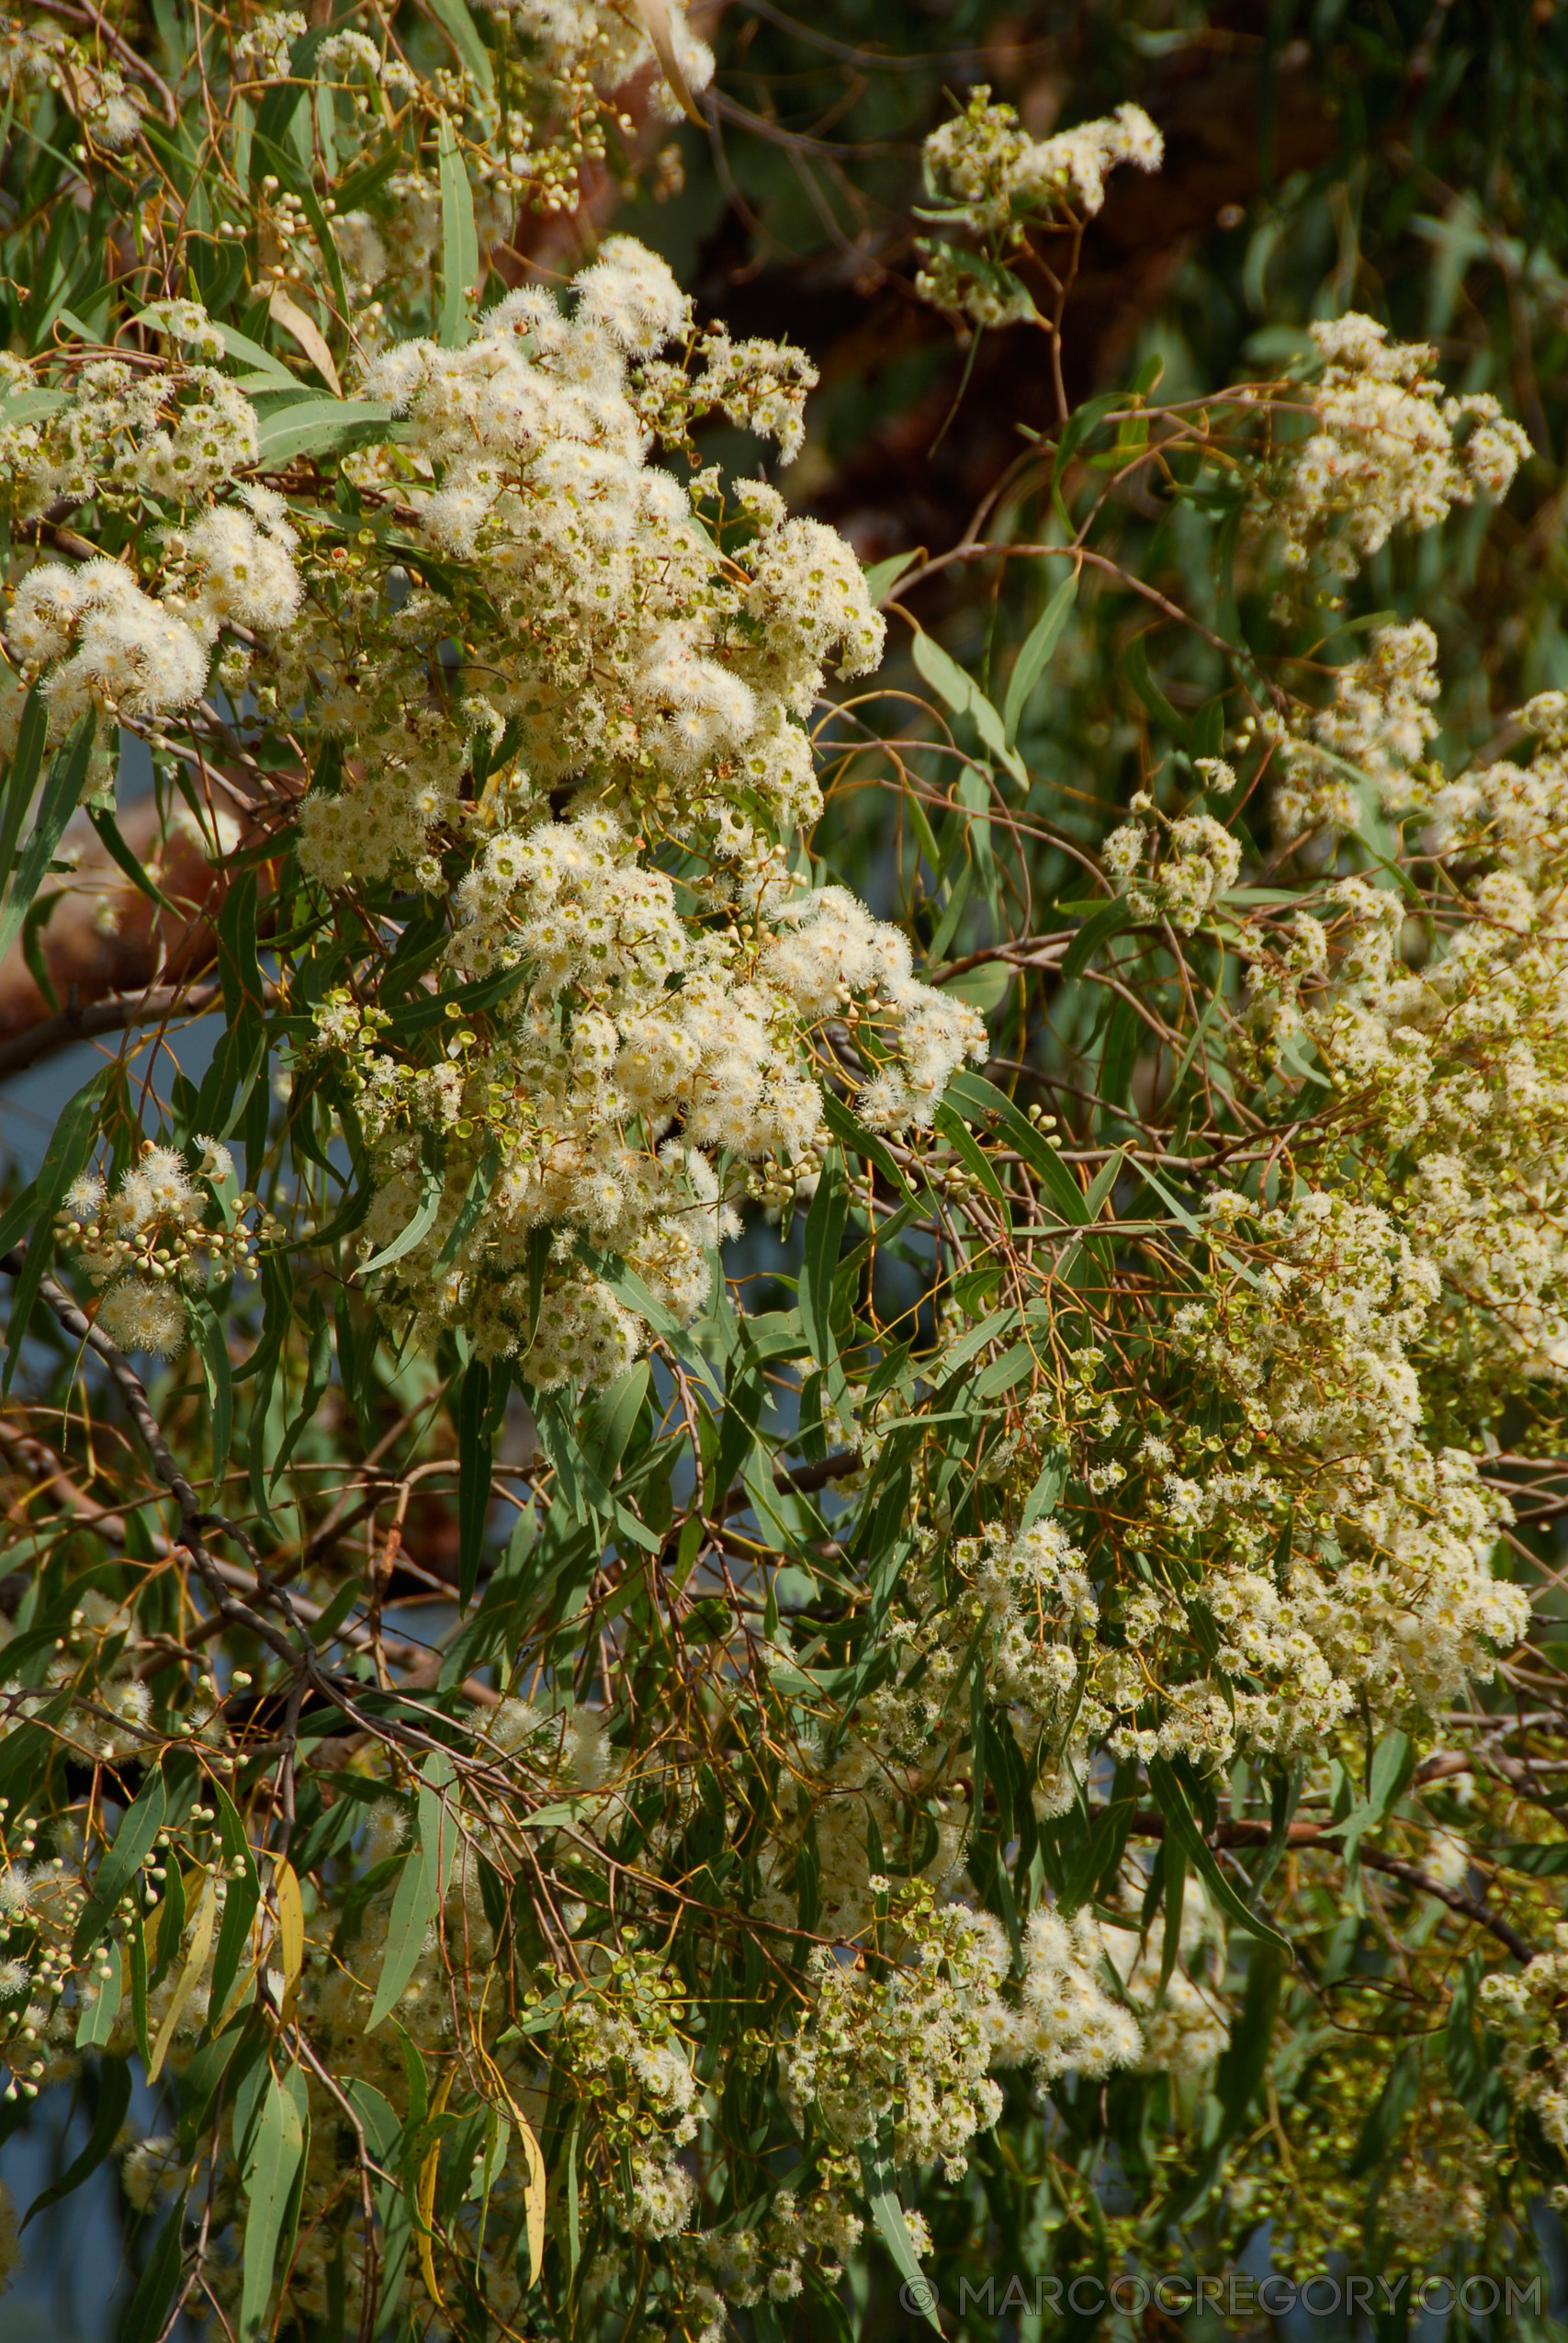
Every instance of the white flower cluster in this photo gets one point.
(1067, 2019)
(100, 641)
(633, 693)
(751, 2263)
(1363, 746)
(988, 175)
(1027, 1606)
(40, 1903)
(1389, 447)
(1460, 1062)
(1198, 861)
(1399, 1607)
(587, 42)
(623, 2045)
(1527, 2008)
(908, 2039)
(572, 1742)
(1430, 2209)
(150, 1242)
(262, 50)
(903, 1743)
(985, 163)
(624, 664)
(109, 647)
(606, 1046)
(122, 433)
(1040, 1613)
(40, 56)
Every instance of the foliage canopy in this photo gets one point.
(794, 1536)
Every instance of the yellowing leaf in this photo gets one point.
(427, 2197)
(304, 329)
(533, 2194)
(290, 1928)
(655, 20)
(534, 2191)
(189, 1977)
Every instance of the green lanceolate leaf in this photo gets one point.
(238, 1909)
(971, 1094)
(147, 2312)
(95, 2024)
(1182, 1825)
(61, 795)
(417, 1897)
(1097, 929)
(480, 1188)
(473, 1474)
(424, 1217)
(121, 1866)
(1080, 425)
(275, 2148)
(888, 2214)
(65, 1157)
(1135, 666)
(459, 238)
(964, 696)
(1038, 645)
(454, 19)
(314, 426)
(608, 1426)
(213, 1349)
(113, 841)
(824, 1234)
(883, 576)
(113, 2098)
(26, 764)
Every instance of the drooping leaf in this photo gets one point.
(894, 2230)
(824, 1234)
(113, 2098)
(27, 760)
(473, 1475)
(454, 18)
(1182, 1825)
(964, 696)
(276, 2148)
(61, 795)
(319, 427)
(459, 237)
(1038, 645)
(417, 1897)
(146, 2313)
(121, 1866)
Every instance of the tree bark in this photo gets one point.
(104, 939)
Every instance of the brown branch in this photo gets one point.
(50, 1476)
(117, 1015)
(1148, 1823)
(300, 1657)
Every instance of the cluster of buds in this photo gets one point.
(774, 1185)
(853, 1010)
(152, 1241)
(154, 1224)
(39, 1910)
